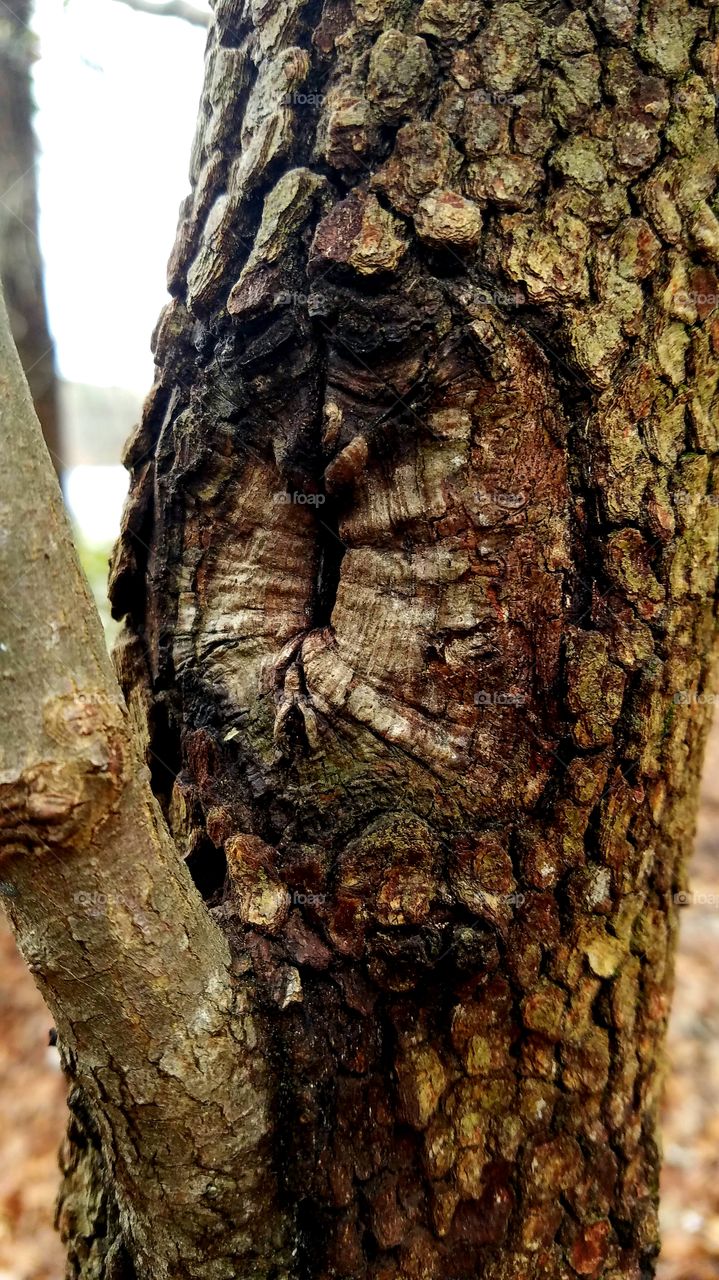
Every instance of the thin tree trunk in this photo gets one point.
(418, 573)
(21, 268)
(166, 1058)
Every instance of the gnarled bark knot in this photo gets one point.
(436, 652)
(62, 799)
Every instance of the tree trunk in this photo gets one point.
(21, 269)
(418, 572)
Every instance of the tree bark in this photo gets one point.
(21, 268)
(418, 572)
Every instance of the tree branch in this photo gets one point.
(153, 1026)
(171, 9)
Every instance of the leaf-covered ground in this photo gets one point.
(690, 1182)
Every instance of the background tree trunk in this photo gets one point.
(418, 570)
(171, 9)
(21, 268)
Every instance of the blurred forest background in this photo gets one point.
(97, 109)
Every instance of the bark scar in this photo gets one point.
(63, 799)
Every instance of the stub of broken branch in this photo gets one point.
(63, 800)
(153, 1028)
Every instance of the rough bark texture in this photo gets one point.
(21, 269)
(419, 568)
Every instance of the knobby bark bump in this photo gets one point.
(418, 576)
